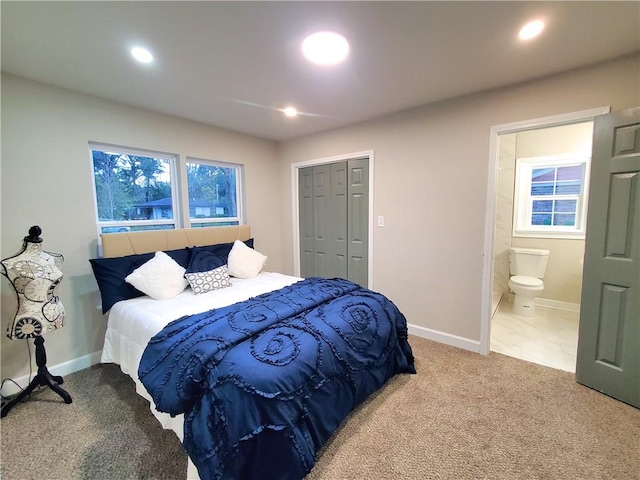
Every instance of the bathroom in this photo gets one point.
(548, 333)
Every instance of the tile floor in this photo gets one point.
(549, 338)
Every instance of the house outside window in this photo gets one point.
(551, 196)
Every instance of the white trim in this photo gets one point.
(295, 212)
(172, 158)
(552, 120)
(490, 217)
(176, 193)
(550, 303)
(446, 338)
(62, 369)
(487, 260)
(184, 197)
(558, 304)
(522, 226)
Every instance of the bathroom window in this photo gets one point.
(550, 197)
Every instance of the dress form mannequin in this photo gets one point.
(35, 275)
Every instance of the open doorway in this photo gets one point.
(541, 207)
(549, 335)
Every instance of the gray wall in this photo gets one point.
(430, 183)
(46, 181)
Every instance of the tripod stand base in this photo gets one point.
(42, 379)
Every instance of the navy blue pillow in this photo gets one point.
(222, 249)
(203, 260)
(111, 272)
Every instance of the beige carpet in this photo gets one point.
(462, 416)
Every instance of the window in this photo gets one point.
(213, 193)
(135, 190)
(550, 196)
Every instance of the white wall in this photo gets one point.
(46, 181)
(431, 168)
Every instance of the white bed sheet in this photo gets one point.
(132, 323)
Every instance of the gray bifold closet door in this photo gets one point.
(334, 214)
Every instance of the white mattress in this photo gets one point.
(132, 323)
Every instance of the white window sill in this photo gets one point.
(538, 234)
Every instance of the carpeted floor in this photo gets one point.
(462, 416)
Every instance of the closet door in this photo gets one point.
(358, 221)
(322, 222)
(333, 218)
(305, 207)
(339, 223)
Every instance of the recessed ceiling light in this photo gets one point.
(531, 30)
(325, 48)
(290, 112)
(142, 55)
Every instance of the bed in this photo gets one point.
(253, 376)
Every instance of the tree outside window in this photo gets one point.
(128, 185)
(213, 193)
(134, 191)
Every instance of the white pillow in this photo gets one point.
(244, 262)
(203, 282)
(160, 278)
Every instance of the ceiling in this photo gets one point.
(234, 64)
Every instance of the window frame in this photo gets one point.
(126, 224)
(522, 205)
(179, 191)
(213, 222)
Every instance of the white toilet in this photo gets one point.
(527, 265)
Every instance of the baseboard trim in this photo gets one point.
(62, 369)
(446, 338)
(549, 303)
(80, 363)
(558, 304)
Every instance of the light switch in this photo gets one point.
(380, 221)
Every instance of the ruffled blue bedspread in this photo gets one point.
(265, 382)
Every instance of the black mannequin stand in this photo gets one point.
(43, 378)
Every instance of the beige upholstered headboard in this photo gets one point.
(130, 243)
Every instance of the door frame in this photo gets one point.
(490, 218)
(295, 210)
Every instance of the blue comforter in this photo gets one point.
(265, 382)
